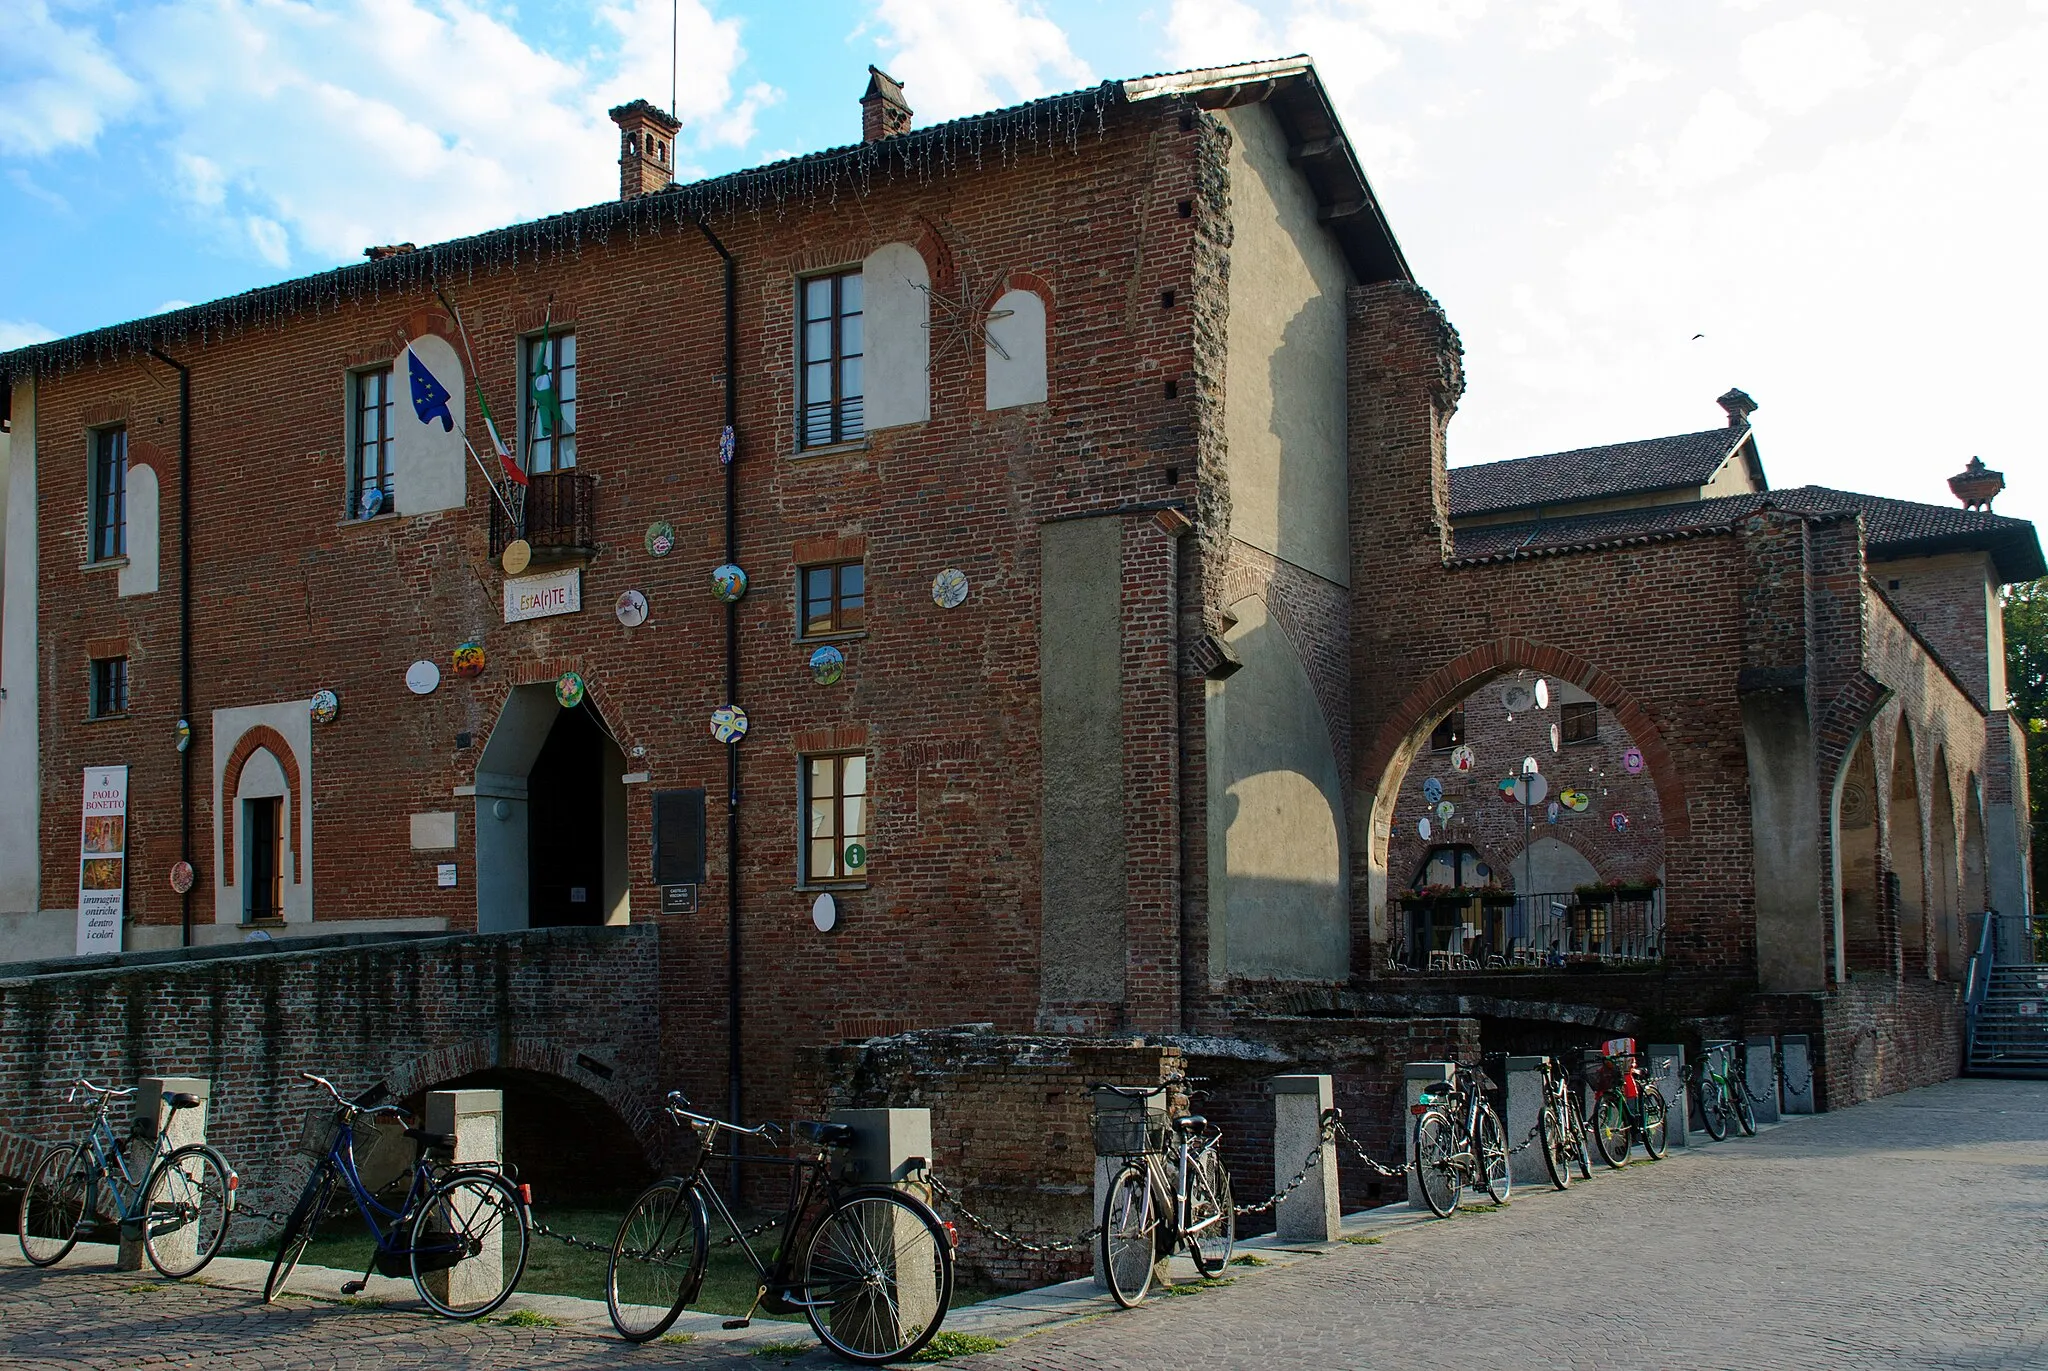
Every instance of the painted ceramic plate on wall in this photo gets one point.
(422, 678)
(825, 913)
(1462, 758)
(1575, 800)
(1550, 812)
(1517, 699)
(728, 446)
(182, 878)
(517, 556)
(1632, 761)
(728, 723)
(828, 664)
(1507, 790)
(1542, 693)
(1556, 738)
(569, 690)
(1432, 790)
(949, 588)
(728, 583)
(631, 608)
(1422, 828)
(469, 661)
(1445, 809)
(661, 538)
(1619, 821)
(326, 705)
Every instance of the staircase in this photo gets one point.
(2010, 1033)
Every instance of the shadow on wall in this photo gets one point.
(565, 1140)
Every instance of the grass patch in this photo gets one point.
(530, 1318)
(947, 1345)
(785, 1350)
(1480, 1208)
(678, 1338)
(1250, 1259)
(360, 1302)
(1193, 1287)
(1363, 1240)
(146, 1288)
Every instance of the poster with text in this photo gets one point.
(103, 859)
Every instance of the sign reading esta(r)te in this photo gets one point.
(537, 597)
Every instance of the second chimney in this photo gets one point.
(647, 148)
(883, 110)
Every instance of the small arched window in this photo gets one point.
(1015, 333)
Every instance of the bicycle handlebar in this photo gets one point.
(678, 1108)
(353, 1108)
(103, 1092)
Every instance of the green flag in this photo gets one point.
(547, 405)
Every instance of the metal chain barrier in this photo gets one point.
(980, 1224)
(1378, 1168)
(1801, 1091)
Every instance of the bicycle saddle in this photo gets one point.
(432, 1142)
(181, 1100)
(1188, 1121)
(824, 1134)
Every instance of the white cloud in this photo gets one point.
(58, 86)
(1627, 74)
(1801, 63)
(1205, 33)
(19, 333)
(957, 59)
(1718, 140)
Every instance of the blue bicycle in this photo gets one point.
(179, 1202)
(460, 1233)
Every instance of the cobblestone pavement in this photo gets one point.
(1905, 1233)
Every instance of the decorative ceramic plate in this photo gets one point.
(1619, 821)
(1422, 828)
(422, 678)
(1550, 812)
(728, 723)
(1577, 801)
(182, 878)
(469, 661)
(1632, 761)
(1445, 809)
(1556, 738)
(326, 705)
(569, 690)
(728, 446)
(1517, 699)
(1542, 693)
(517, 556)
(949, 588)
(728, 583)
(828, 664)
(824, 910)
(1432, 789)
(1462, 758)
(631, 608)
(661, 538)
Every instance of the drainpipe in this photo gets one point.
(184, 625)
(732, 694)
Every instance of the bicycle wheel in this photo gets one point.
(1212, 1219)
(878, 1276)
(1130, 1236)
(1582, 1149)
(1745, 1117)
(1439, 1174)
(657, 1260)
(1656, 1122)
(1713, 1108)
(469, 1244)
(298, 1230)
(185, 1211)
(1612, 1129)
(1556, 1144)
(1491, 1148)
(53, 1207)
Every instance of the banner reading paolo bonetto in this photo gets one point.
(103, 859)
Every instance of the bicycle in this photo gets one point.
(1627, 1106)
(1563, 1128)
(1459, 1141)
(1721, 1097)
(460, 1233)
(869, 1266)
(180, 1205)
(1152, 1208)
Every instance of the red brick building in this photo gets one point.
(1085, 463)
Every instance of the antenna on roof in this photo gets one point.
(675, 39)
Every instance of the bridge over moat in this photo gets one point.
(561, 1019)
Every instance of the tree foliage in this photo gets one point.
(2026, 680)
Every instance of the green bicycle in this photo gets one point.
(1627, 1106)
(1722, 1094)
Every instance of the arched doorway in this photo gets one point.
(550, 817)
(1904, 839)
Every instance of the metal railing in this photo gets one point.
(1543, 930)
(561, 513)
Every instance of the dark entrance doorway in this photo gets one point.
(566, 811)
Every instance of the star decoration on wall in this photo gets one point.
(955, 321)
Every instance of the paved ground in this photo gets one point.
(1906, 1233)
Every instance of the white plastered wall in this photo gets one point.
(139, 576)
(263, 775)
(1016, 324)
(25, 931)
(429, 463)
(896, 336)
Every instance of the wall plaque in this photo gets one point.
(537, 597)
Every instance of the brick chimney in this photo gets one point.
(1977, 485)
(647, 148)
(883, 110)
(1739, 407)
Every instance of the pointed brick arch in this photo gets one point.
(261, 738)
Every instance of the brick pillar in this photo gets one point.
(184, 1126)
(1151, 776)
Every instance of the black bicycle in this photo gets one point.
(1154, 1205)
(1563, 1127)
(460, 1232)
(1459, 1141)
(869, 1266)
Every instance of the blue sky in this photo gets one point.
(1846, 200)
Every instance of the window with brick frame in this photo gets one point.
(1449, 732)
(1580, 722)
(835, 817)
(109, 690)
(370, 443)
(831, 403)
(108, 493)
(832, 599)
(552, 354)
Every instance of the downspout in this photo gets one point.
(732, 689)
(184, 628)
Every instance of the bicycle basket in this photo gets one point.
(382, 1151)
(1130, 1132)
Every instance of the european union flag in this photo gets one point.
(429, 397)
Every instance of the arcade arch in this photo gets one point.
(1905, 842)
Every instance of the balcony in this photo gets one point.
(561, 516)
(1489, 931)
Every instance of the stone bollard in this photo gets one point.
(1313, 1213)
(1798, 1083)
(1761, 1060)
(894, 1147)
(1108, 1165)
(1589, 1071)
(476, 1120)
(1667, 1070)
(185, 1126)
(1417, 1075)
(1524, 1108)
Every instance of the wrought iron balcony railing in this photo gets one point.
(561, 515)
